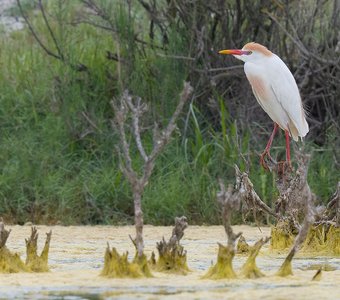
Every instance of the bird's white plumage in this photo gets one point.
(276, 91)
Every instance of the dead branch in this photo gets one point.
(249, 198)
(47, 24)
(59, 55)
(129, 110)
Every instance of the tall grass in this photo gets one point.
(57, 148)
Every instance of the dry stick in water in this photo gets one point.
(123, 110)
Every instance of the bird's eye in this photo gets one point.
(250, 52)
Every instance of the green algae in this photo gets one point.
(223, 267)
(322, 239)
(118, 266)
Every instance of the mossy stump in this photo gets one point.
(324, 239)
(172, 261)
(12, 263)
(172, 256)
(35, 262)
(9, 262)
(250, 269)
(333, 239)
(223, 267)
(286, 268)
(321, 239)
(118, 266)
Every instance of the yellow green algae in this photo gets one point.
(118, 266)
(9, 262)
(12, 263)
(223, 267)
(250, 269)
(322, 239)
(282, 236)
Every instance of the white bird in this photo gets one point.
(276, 91)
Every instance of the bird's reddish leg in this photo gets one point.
(267, 149)
(287, 148)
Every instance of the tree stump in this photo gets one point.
(9, 262)
(250, 269)
(12, 263)
(35, 262)
(118, 266)
(172, 256)
(223, 267)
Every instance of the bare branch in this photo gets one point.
(42, 9)
(137, 111)
(120, 117)
(42, 45)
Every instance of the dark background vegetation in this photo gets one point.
(57, 147)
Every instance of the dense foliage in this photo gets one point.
(57, 147)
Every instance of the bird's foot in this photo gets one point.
(263, 160)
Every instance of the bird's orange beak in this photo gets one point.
(235, 52)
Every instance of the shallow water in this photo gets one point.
(76, 259)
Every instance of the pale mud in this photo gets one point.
(76, 259)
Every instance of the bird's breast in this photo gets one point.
(259, 86)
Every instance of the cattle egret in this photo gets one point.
(276, 91)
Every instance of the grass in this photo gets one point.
(57, 147)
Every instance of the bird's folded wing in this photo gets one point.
(287, 94)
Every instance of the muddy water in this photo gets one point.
(76, 259)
